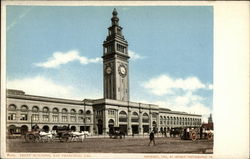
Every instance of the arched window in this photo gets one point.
(24, 114)
(122, 116)
(145, 118)
(55, 110)
(64, 111)
(45, 116)
(45, 109)
(55, 116)
(80, 112)
(161, 120)
(88, 112)
(135, 117)
(111, 122)
(167, 120)
(35, 109)
(12, 107)
(164, 120)
(73, 117)
(24, 108)
(72, 111)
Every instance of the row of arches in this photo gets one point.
(179, 121)
(134, 117)
(13, 129)
(45, 109)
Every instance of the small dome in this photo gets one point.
(114, 12)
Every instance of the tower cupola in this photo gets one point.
(115, 19)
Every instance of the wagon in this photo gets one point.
(175, 132)
(208, 134)
(194, 134)
(32, 136)
(115, 133)
(63, 134)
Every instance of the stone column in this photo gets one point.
(29, 119)
(69, 121)
(140, 122)
(40, 120)
(18, 115)
(91, 123)
(50, 117)
(94, 122)
(150, 121)
(116, 118)
(77, 118)
(60, 118)
(105, 122)
(158, 121)
(129, 122)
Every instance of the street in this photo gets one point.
(106, 145)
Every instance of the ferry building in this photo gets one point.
(97, 115)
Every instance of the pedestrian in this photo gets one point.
(201, 132)
(185, 133)
(151, 138)
(35, 127)
(188, 133)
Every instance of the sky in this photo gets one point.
(56, 51)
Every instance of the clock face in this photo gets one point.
(122, 70)
(108, 70)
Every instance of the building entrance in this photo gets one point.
(24, 129)
(135, 129)
(111, 125)
(100, 126)
(145, 128)
(123, 128)
(85, 128)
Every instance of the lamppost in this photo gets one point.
(84, 115)
(31, 119)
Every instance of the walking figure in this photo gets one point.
(151, 138)
(201, 132)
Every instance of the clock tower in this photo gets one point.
(115, 63)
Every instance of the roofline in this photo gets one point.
(94, 102)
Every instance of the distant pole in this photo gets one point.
(84, 116)
(31, 121)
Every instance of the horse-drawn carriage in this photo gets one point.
(194, 134)
(174, 132)
(116, 132)
(38, 135)
(32, 136)
(63, 134)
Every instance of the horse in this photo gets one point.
(45, 136)
(79, 135)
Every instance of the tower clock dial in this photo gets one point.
(108, 70)
(122, 70)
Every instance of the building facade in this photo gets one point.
(97, 116)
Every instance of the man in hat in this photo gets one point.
(151, 138)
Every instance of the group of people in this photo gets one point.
(186, 133)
